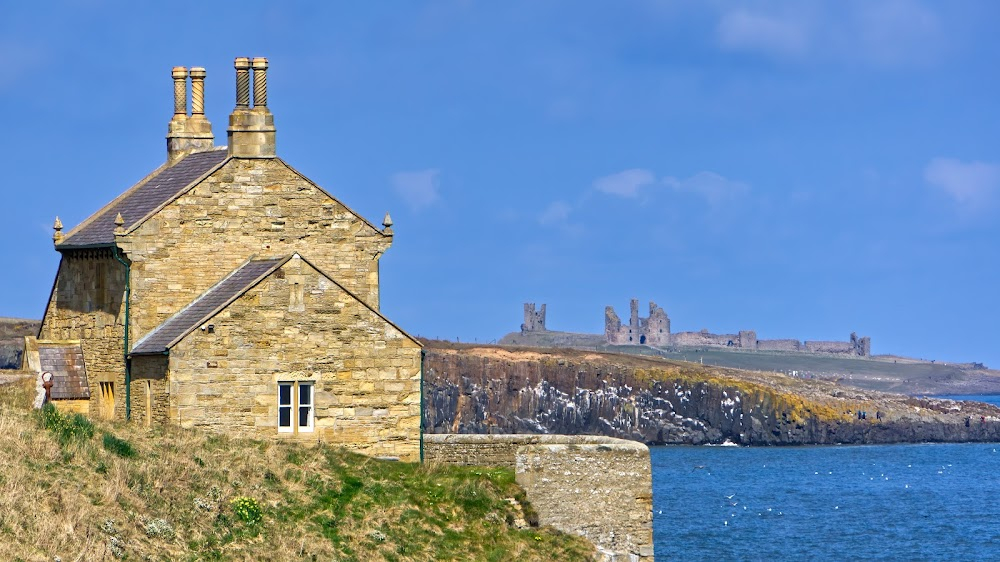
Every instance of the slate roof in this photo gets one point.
(204, 307)
(142, 199)
(69, 372)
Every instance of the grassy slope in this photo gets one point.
(79, 498)
(907, 376)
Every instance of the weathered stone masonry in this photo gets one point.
(594, 486)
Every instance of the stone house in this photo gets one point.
(226, 290)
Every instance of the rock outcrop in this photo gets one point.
(478, 389)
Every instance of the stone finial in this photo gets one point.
(387, 223)
(259, 65)
(119, 224)
(57, 226)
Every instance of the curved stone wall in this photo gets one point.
(597, 487)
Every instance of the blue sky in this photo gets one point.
(803, 169)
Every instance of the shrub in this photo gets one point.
(159, 528)
(65, 428)
(120, 447)
(247, 509)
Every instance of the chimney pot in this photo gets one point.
(251, 131)
(242, 65)
(259, 81)
(180, 74)
(197, 90)
(188, 134)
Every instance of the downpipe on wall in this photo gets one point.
(128, 362)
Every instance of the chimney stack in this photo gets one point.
(251, 129)
(186, 134)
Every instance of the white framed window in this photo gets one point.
(296, 408)
(285, 407)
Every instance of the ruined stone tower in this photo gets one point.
(533, 321)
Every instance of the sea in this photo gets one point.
(834, 502)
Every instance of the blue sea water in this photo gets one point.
(886, 502)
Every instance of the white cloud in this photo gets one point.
(773, 34)
(557, 213)
(419, 189)
(883, 33)
(714, 188)
(625, 184)
(894, 31)
(970, 184)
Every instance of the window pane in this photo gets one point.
(305, 394)
(304, 416)
(285, 416)
(284, 394)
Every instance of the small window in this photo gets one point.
(108, 400)
(296, 411)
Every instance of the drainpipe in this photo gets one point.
(423, 353)
(128, 362)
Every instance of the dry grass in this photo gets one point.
(82, 501)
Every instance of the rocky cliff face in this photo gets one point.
(472, 389)
(12, 332)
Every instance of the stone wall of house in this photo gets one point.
(248, 207)
(86, 304)
(597, 487)
(149, 389)
(72, 406)
(366, 372)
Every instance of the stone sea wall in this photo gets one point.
(593, 486)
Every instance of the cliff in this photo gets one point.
(483, 389)
(12, 332)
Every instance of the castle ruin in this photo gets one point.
(533, 321)
(655, 331)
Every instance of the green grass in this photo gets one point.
(172, 494)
